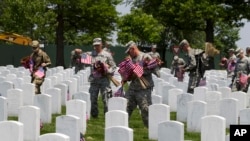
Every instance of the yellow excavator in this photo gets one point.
(15, 38)
(20, 40)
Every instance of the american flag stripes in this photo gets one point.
(128, 68)
(40, 72)
(138, 70)
(31, 63)
(86, 58)
(152, 64)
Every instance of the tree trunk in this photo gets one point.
(210, 38)
(60, 38)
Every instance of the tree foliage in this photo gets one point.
(60, 21)
(196, 15)
(140, 27)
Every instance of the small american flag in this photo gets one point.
(152, 64)
(31, 63)
(40, 72)
(138, 70)
(86, 58)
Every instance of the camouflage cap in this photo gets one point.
(231, 50)
(97, 41)
(183, 42)
(154, 46)
(34, 43)
(129, 45)
(238, 51)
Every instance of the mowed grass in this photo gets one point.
(95, 126)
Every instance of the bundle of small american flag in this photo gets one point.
(101, 69)
(130, 70)
(86, 58)
(151, 64)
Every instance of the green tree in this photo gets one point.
(196, 15)
(140, 27)
(60, 21)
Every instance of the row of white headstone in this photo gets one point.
(59, 88)
(62, 85)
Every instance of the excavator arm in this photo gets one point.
(15, 38)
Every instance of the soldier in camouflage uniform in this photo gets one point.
(154, 54)
(136, 94)
(39, 59)
(242, 69)
(177, 67)
(76, 60)
(191, 66)
(99, 81)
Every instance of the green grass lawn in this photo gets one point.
(95, 127)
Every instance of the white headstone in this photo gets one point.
(2, 78)
(10, 77)
(15, 101)
(157, 113)
(118, 133)
(56, 99)
(182, 106)
(68, 125)
(18, 82)
(171, 131)
(53, 137)
(59, 77)
(3, 109)
(70, 89)
(213, 128)
(27, 79)
(64, 91)
(30, 117)
(212, 99)
(46, 84)
(172, 98)
(85, 96)
(244, 116)
(156, 99)
(241, 96)
(78, 108)
(116, 118)
(53, 80)
(196, 110)
(225, 91)
(28, 93)
(200, 93)
(229, 110)
(4, 86)
(117, 103)
(44, 102)
(74, 85)
(11, 131)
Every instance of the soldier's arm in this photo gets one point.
(111, 64)
(47, 60)
(192, 63)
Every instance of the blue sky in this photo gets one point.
(244, 31)
(244, 35)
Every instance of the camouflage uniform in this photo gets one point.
(242, 66)
(177, 65)
(100, 84)
(156, 55)
(231, 65)
(38, 59)
(191, 67)
(76, 61)
(137, 95)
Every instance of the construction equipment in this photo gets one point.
(15, 38)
